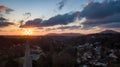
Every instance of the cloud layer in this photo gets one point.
(105, 14)
(56, 20)
(102, 14)
(4, 23)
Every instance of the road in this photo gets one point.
(28, 58)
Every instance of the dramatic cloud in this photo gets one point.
(4, 23)
(62, 19)
(102, 14)
(96, 10)
(101, 22)
(61, 4)
(32, 23)
(56, 20)
(97, 14)
(5, 9)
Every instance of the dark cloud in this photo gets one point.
(106, 20)
(105, 14)
(4, 23)
(32, 23)
(2, 19)
(61, 4)
(100, 14)
(56, 20)
(61, 19)
(96, 10)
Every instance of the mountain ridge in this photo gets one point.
(109, 32)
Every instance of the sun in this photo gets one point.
(28, 32)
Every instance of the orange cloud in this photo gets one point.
(3, 8)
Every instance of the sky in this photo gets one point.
(58, 16)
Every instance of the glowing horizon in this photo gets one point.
(58, 16)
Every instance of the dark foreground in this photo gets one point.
(95, 50)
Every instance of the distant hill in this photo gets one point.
(109, 32)
(79, 34)
(64, 34)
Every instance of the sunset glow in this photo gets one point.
(59, 33)
(57, 16)
(27, 32)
